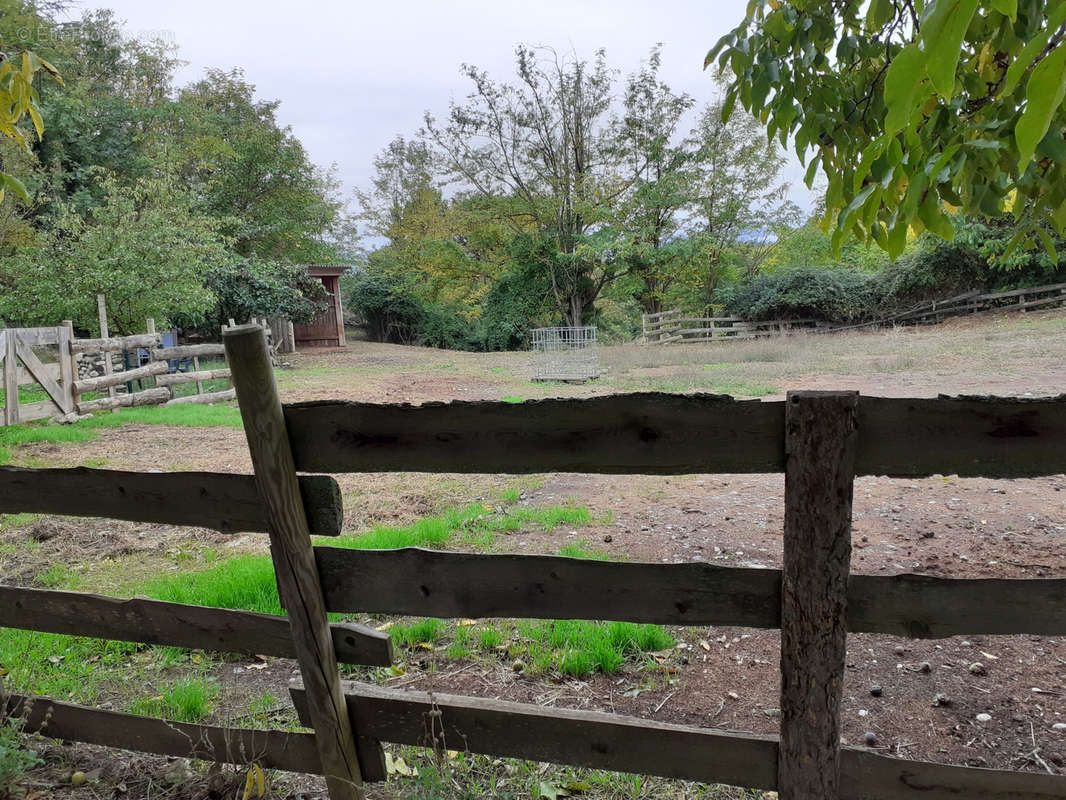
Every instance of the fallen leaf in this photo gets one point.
(704, 645)
(552, 792)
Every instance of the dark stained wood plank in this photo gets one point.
(432, 583)
(923, 607)
(820, 434)
(581, 738)
(634, 433)
(157, 622)
(444, 584)
(294, 560)
(293, 752)
(966, 436)
(674, 434)
(629, 744)
(865, 775)
(221, 501)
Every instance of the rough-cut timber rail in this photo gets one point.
(294, 752)
(157, 622)
(663, 434)
(630, 744)
(221, 501)
(444, 584)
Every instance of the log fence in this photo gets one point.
(48, 358)
(820, 440)
(673, 327)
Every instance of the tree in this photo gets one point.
(739, 204)
(545, 150)
(912, 109)
(144, 248)
(649, 216)
(19, 99)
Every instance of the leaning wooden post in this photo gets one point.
(820, 435)
(294, 561)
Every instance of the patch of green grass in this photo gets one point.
(581, 549)
(16, 520)
(187, 700)
(512, 398)
(489, 638)
(579, 647)
(191, 416)
(57, 575)
(425, 631)
(61, 667)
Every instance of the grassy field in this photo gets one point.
(594, 664)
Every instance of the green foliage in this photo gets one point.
(253, 288)
(837, 295)
(910, 108)
(144, 248)
(187, 700)
(16, 757)
(425, 631)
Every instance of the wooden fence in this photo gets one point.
(51, 358)
(821, 441)
(667, 327)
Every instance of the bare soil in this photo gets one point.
(718, 677)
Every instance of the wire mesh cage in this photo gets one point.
(565, 354)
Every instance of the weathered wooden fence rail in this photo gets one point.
(673, 327)
(55, 372)
(811, 437)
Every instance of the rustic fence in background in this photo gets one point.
(821, 441)
(65, 369)
(671, 327)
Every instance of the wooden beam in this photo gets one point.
(820, 434)
(115, 379)
(582, 738)
(220, 501)
(149, 397)
(629, 744)
(189, 351)
(634, 433)
(284, 750)
(67, 369)
(991, 437)
(674, 434)
(145, 341)
(224, 396)
(431, 583)
(294, 562)
(11, 380)
(60, 396)
(175, 378)
(157, 622)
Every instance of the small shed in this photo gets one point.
(328, 329)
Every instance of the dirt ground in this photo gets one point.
(919, 699)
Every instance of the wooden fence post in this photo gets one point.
(11, 380)
(820, 436)
(294, 561)
(101, 313)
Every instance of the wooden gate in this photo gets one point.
(38, 357)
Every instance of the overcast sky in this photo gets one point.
(350, 76)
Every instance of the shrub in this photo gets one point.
(835, 295)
